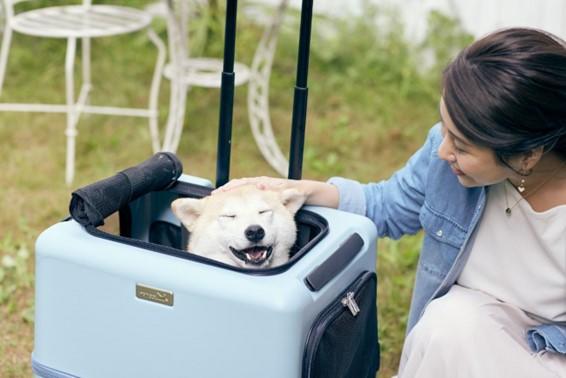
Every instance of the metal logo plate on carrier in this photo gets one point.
(153, 294)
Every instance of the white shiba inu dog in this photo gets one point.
(245, 226)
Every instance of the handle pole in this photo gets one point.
(226, 96)
(301, 94)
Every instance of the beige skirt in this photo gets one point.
(469, 334)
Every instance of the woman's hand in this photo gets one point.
(317, 193)
(263, 183)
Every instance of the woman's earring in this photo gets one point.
(523, 172)
(521, 188)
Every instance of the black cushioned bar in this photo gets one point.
(91, 204)
(326, 271)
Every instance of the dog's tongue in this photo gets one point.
(255, 253)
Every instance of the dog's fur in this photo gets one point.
(245, 226)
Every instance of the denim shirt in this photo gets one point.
(425, 194)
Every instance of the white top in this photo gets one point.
(520, 259)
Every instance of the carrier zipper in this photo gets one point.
(350, 302)
(330, 314)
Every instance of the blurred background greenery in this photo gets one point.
(373, 96)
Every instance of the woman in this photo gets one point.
(488, 188)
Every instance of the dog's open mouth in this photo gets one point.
(255, 255)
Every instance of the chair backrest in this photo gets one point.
(176, 31)
(180, 14)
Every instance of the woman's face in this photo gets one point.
(472, 164)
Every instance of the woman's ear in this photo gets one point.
(531, 158)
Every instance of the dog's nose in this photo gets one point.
(254, 233)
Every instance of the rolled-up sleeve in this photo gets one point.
(352, 197)
(394, 204)
(549, 337)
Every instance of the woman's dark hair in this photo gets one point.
(507, 92)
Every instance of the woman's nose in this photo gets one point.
(445, 150)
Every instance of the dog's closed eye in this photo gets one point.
(228, 216)
(266, 211)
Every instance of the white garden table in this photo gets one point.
(83, 22)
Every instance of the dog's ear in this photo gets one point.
(188, 210)
(292, 199)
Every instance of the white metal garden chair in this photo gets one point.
(186, 71)
(73, 22)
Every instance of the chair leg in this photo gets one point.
(176, 116)
(258, 94)
(85, 47)
(71, 131)
(180, 117)
(173, 90)
(6, 42)
(154, 92)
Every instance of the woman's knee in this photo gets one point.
(456, 318)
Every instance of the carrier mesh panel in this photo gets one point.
(165, 233)
(349, 348)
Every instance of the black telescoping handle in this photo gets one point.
(226, 96)
(301, 94)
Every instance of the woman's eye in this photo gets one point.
(459, 150)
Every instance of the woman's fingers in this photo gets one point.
(263, 183)
(232, 184)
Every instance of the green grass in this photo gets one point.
(370, 106)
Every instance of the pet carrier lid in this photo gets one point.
(227, 95)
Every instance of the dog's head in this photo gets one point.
(244, 227)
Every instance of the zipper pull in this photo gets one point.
(350, 302)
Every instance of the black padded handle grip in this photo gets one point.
(91, 204)
(329, 269)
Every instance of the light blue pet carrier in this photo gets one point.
(137, 305)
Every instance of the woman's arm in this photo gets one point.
(319, 193)
(394, 204)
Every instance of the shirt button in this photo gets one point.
(439, 233)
